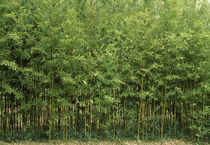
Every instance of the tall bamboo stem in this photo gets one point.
(174, 119)
(153, 127)
(163, 112)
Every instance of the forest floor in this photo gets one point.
(165, 142)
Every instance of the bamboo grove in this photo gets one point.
(104, 69)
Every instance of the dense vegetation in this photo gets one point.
(104, 69)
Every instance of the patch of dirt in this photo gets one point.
(165, 142)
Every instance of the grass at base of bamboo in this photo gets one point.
(118, 142)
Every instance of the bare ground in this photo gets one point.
(166, 142)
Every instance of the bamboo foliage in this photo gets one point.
(109, 69)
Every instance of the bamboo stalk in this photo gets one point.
(75, 118)
(1, 111)
(9, 115)
(192, 122)
(174, 119)
(153, 128)
(51, 97)
(22, 101)
(163, 113)
(114, 127)
(69, 130)
(69, 117)
(12, 116)
(66, 124)
(5, 116)
(91, 112)
(183, 114)
(144, 103)
(182, 120)
(124, 115)
(66, 133)
(143, 114)
(139, 120)
(192, 115)
(85, 126)
(63, 121)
